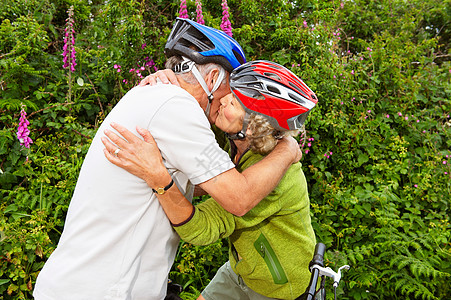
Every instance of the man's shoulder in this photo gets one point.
(157, 97)
(160, 90)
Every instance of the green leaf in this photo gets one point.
(367, 206)
(363, 158)
(11, 208)
(3, 281)
(360, 209)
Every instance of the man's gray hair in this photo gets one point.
(189, 77)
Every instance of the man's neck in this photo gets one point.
(194, 89)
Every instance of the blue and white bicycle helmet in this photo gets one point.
(199, 44)
(210, 45)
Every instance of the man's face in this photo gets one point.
(222, 91)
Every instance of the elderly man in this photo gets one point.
(117, 242)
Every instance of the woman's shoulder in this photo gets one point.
(248, 159)
(295, 170)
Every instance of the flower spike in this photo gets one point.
(226, 26)
(183, 12)
(22, 130)
(69, 60)
(200, 17)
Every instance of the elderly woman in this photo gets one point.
(272, 244)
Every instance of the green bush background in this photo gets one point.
(377, 154)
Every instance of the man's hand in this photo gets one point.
(291, 147)
(166, 76)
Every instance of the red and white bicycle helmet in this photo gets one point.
(271, 90)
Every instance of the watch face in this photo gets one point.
(160, 191)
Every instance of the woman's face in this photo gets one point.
(230, 114)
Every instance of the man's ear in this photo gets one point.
(212, 76)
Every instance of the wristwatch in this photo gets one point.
(162, 190)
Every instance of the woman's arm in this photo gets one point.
(211, 220)
(177, 208)
(209, 223)
(166, 76)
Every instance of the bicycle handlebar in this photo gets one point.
(318, 259)
(318, 256)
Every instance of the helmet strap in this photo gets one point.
(240, 135)
(184, 67)
(203, 84)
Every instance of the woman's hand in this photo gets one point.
(138, 157)
(166, 76)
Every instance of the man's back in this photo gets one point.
(117, 242)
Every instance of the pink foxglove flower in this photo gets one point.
(183, 12)
(226, 26)
(69, 42)
(150, 63)
(200, 17)
(23, 131)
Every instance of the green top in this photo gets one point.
(271, 245)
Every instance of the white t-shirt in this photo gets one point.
(117, 242)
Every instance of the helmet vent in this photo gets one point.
(273, 67)
(247, 79)
(238, 56)
(256, 85)
(298, 89)
(296, 99)
(199, 43)
(273, 89)
(272, 76)
(258, 96)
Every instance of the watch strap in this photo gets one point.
(162, 190)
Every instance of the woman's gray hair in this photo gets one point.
(189, 77)
(263, 137)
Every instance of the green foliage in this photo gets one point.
(25, 244)
(376, 156)
(194, 266)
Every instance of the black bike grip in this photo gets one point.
(318, 257)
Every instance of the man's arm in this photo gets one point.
(240, 192)
(236, 192)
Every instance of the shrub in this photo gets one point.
(376, 155)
